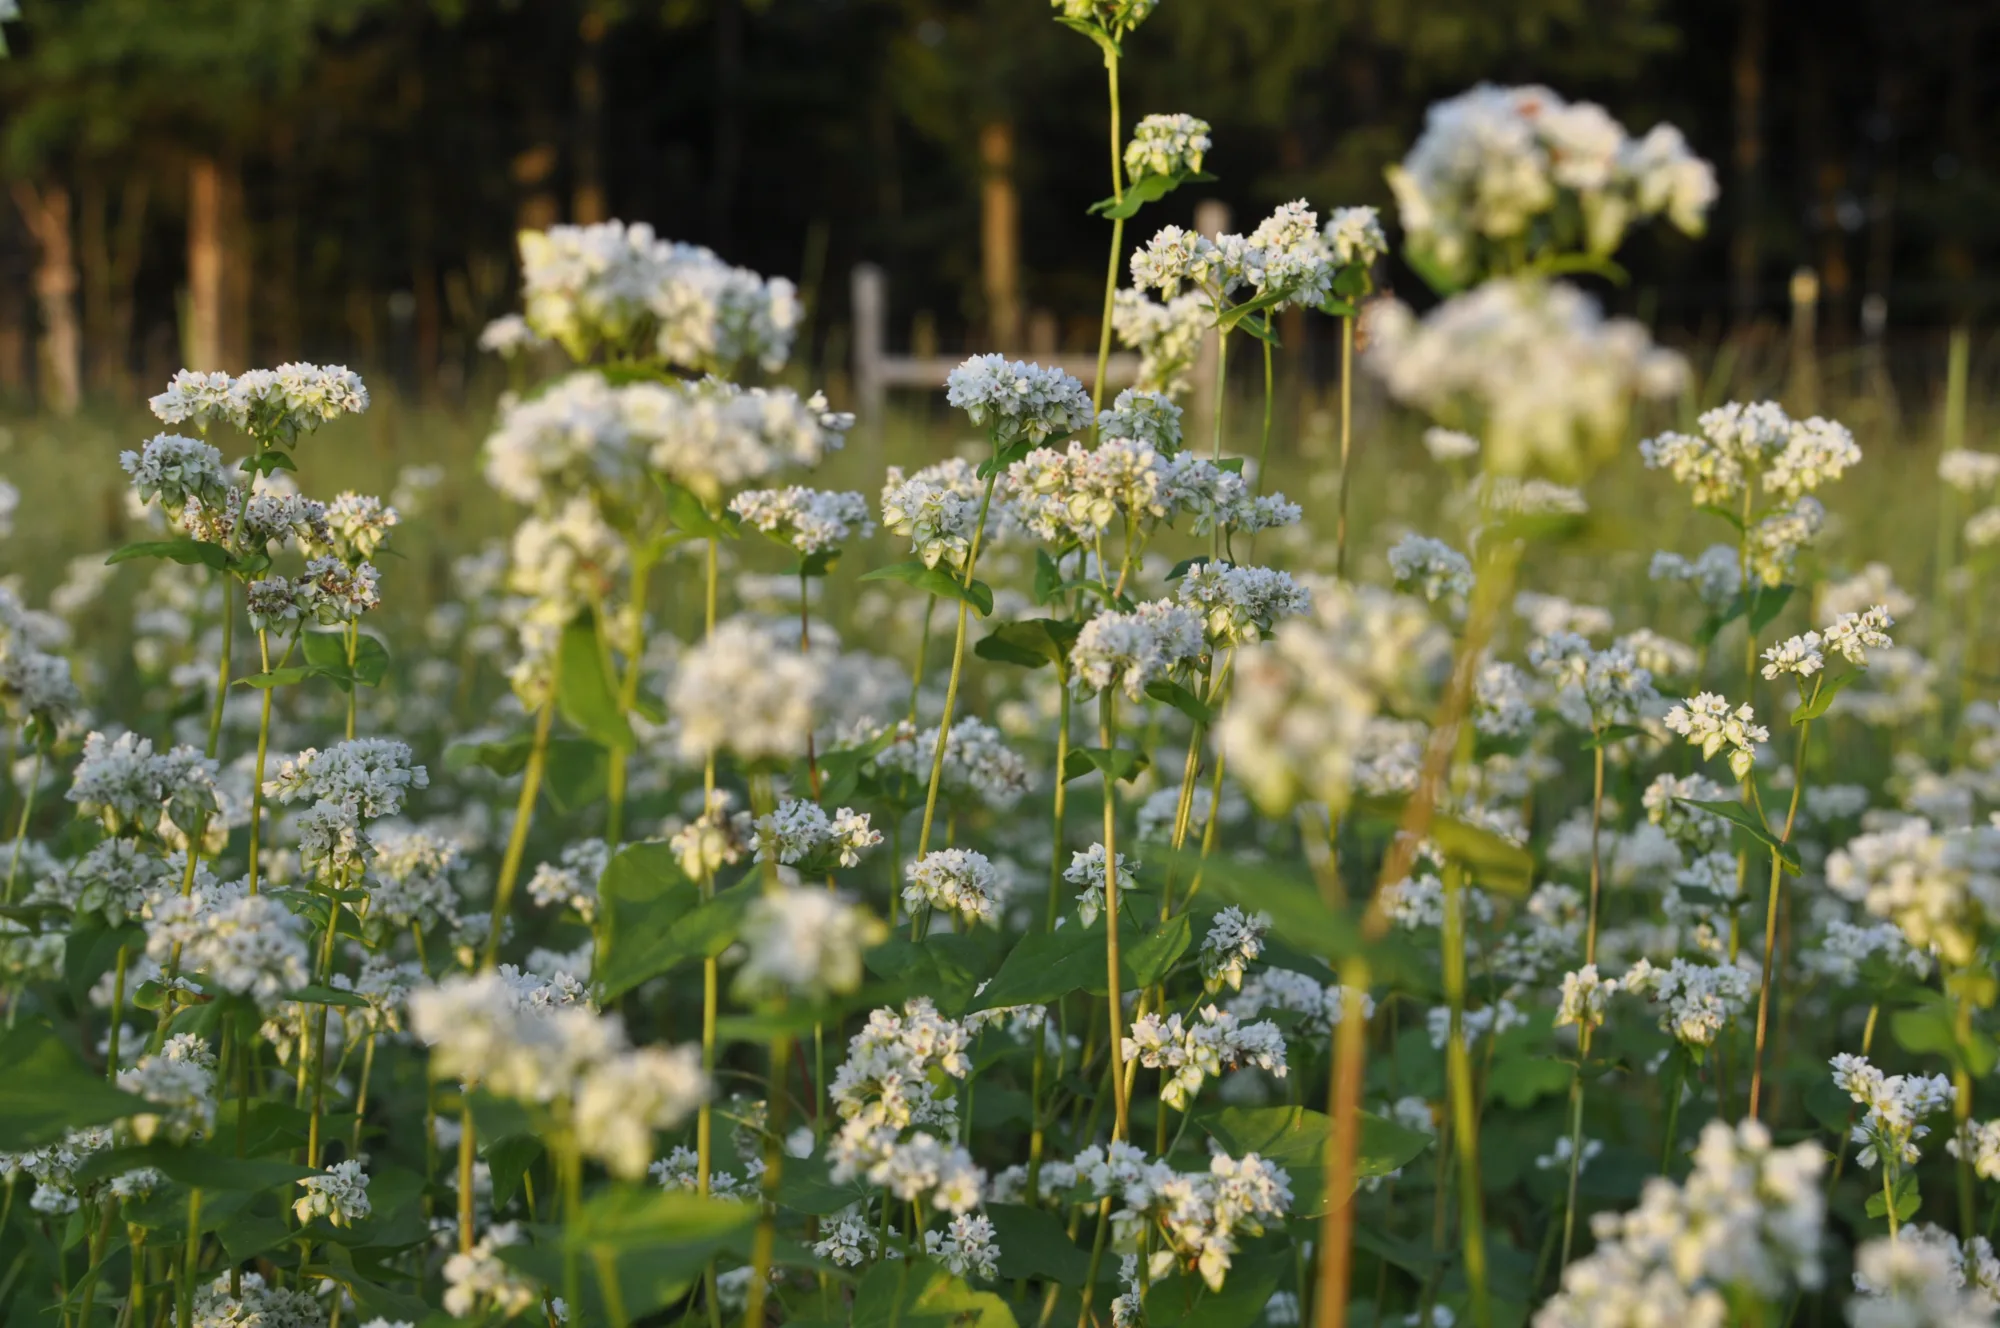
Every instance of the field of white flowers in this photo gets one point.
(1118, 910)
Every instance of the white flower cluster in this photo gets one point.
(1499, 167)
(179, 1082)
(1741, 445)
(571, 880)
(732, 692)
(1149, 417)
(958, 881)
(1844, 949)
(1924, 1278)
(1087, 870)
(1941, 888)
(1585, 995)
(937, 509)
(1242, 604)
(539, 1043)
(329, 594)
(1016, 401)
(1429, 567)
(1896, 1106)
(1202, 1216)
(1323, 1005)
(1234, 941)
(810, 520)
(617, 287)
(1166, 145)
(1166, 335)
(804, 943)
(478, 1282)
(339, 1194)
(1354, 237)
(1594, 688)
(967, 1247)
(1695, 1000)
(1707, 722)
(1285, 259)
(1188, 1053)
(800, 833)
(275, 406)
(131, 789)
(979, 766)
(1968, 471)
(1548, 375)
(1132, 650)
(215, 1305)
(177, 471)
(247, 944)
(35, 681)
(1748, 1221)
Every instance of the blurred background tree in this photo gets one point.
(222, 182)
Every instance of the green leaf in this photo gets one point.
(187, 552)
(1724, 514)
(916, 1293)
(1521, 1081)
(1030, 643)
(631, 1217)
(692, 515)
(1180, 698)
(1186, 565)
(805, 1186)
(1120, 763)
(509, 1159)
(1296, 1139)
(1824, 693)
(642, 894)
(1048, 965)
(948, 967)
(1931, 1029)
(1007, 456)
(1146, 189)
(289, 676)
(584, 690)
(818, 563)
(318, 995)
(1048, 577)
(1907, 1199)
(47, 1090)
(263, 463)
(1747, 820)
(1145, 962)
(1766, 603)
(682, 928)
(1298, 914)
(504, 757)
(1611, 735)
(1233, 317)
(936, 581)
(327, 652)
(1183, 1300)
(1034, 1244)
(1493, 861)
(575, 773)
(197, 1168)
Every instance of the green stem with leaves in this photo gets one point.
(517, 837)
(1117, 233)
(957, 667)
(27, 814)
(1107, 737)
(1346, 441)
(1464, 1111)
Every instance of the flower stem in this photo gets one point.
(1346, 440)
(628, 696)
(1464, 1113)
(957, 668)
(1117, 238)
(1107, 733)
(1221, 390)
(1673, 1114)
(468, 1152)
(222, 670)
(517, 839)
(263, 749)
(765, 1242)
(27, 812)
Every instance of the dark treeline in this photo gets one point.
(219, 182)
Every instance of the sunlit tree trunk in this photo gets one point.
(110, 248)
(1748, 156)
(587, 196)
(46, 211)
(219, 269)
(1000, 235)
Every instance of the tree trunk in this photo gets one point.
(1748, 79)
(728, 149)
(1000, 235)
(110, 258)
(587, 196)
(219, 269)
(46, 210)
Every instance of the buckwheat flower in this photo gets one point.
(1166, 145)
(1167, 336)
(1016, 401)
(1486, 1021)
(1354, 237)
(887, 1079)
(805, 943)
(716, 839)
(253, 1304)
(1982, 529)
(1323, 1005)
(1550, 376)
(370, 774)
(956, 881)
(810, 520)
(1707, 722)
(1149, 417)
(1968, 471)
(1503, 704)
(1174, 258)
(934, 511)
(849, 1241)
(1775, 541)
(1190, 1053)
(1923, 1278)
(1799, 656)
(339, 1194)
(1429, 567)
(360, 525)
(1296, 262)
(1114, 16)
(1979, 1143)
(507, 336)
(1941, 889)
(1896, 1105)
(252, 946)
(979, 766)
(1242, 604)
(1584, 998)
(1087, 870)
(1234, 941)
(966, 1247)
(194, 397)
(571, 881)
(1696, 1000)
(1132, 650)
(1853, 634)
(733, 693)
(175, 469)
(621, 1102)
(1450, 444)
(182, 1092)
(1558, 1156)
(478, 1281)
(1748, 1221)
